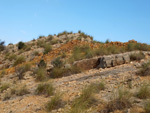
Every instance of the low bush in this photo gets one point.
(144, 69)
(40, 43)
(47, 48)
(57, 62)
(84, 101)
(137, 56)
(12, 57)
(120, 101)
(22, 91)
(20, 71)
(60, 72)
(147, 107)
(42, 64)
(45, 88)
(3, 72)
(19, 60)
(55, 102)
(144, 92)
(41, 74)
(4, 86)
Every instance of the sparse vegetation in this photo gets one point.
(144, 70)
(3, 72)
(22, 91)
(55, 102)
(42, 64)
(60, 72)
(147, 107)
(45, 88)
(144, 92)
(19, 60)
(57, 62)
(85, 100)
(4, 86)
(12, 57)
(22, 69)
(47, 48)
(120, 101)
(137, 56)
(41, 74)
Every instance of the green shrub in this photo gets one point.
(54, 103)
(84, 101)
(54, 41)
(3, 72)
(137, 56)
(40, 43)
(22, 91)
(57, 62)
(12, 57)
(147, 107)
(144, 69)
(144, 92)
(19, 60)
(50, 37)
(120, 101)
(41, 74)
(47, 48)
(42, 64)
(98, 86)
(45, 88)
(21, 45)
(60, 72)
(2, 46)
(20, 71)
(107, 41)
(4, 86)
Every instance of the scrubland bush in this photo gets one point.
(120, 101)
(137, 56)
(55, 102)
(4, 86)
(41, 74)
(144, 69)
(47, 48)
(12, 57)
(144, 92)
(57, 62)
(45, 88)
(58, 72)
(20, 71)
(19, 60)
(85, 100)
(147, 107)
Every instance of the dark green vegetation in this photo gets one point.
(2, 46)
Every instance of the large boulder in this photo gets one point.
(119, 59)
(126, 58)
(86, 64)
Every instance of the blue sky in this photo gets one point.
(117, 20)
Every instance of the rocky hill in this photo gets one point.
(72, 73)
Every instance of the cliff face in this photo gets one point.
(55, 74)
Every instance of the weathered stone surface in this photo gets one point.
(126, 58)
(119, 59)
(87, 63)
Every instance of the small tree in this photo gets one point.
(21, 45)
(2, 46)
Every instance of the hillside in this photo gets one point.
(72, 73)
